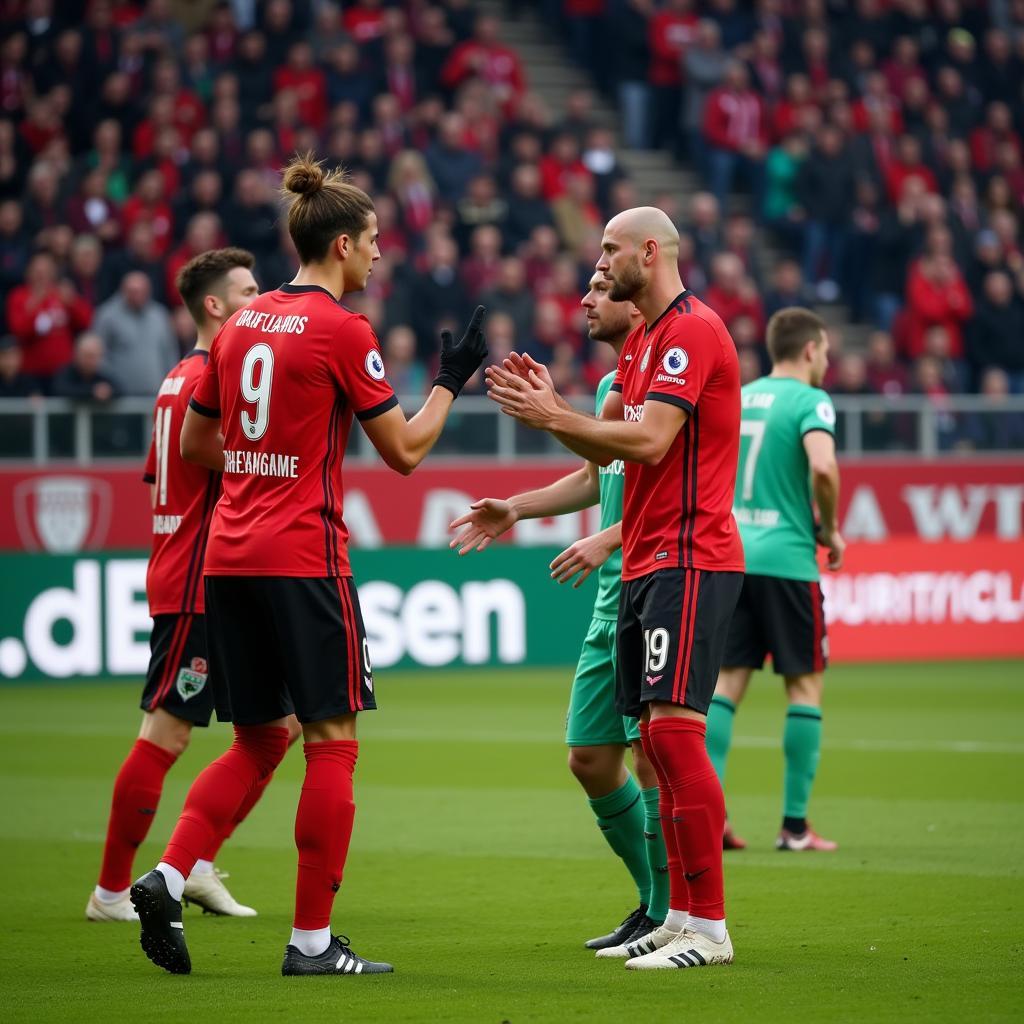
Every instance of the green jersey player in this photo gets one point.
(787, 458)
(626, 808)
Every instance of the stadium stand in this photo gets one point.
(866, 156)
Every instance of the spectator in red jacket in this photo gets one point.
(364, 21)
(307, 82)
(937, 296)
(484, 57)
(203, 233)
(45, 316)
(561, 162)
(908, 164)
(669, 33)
(734, 126)
(147, 202)
(988, 137)
(731, 294)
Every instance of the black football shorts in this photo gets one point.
(671, 637)
(783, 618)
(178, 677)
(284, 643)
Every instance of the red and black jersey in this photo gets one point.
(183, 500)
(678, 514)
(286, 375)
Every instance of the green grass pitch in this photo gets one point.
(477, 870)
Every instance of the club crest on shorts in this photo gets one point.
(676, 361)
(374, 364)
(646, 359)
(191, 680)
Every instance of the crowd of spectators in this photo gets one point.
(877, 141)
(880, 143)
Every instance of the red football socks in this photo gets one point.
(220, 790)
(241, 814)
(137, 792)
(323, 829)
(698, 809)
(678, 891)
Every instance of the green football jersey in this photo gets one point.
(612, 480)
(773, 488)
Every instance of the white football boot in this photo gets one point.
(688, 949)
(206, 890)
(118, 910)
(654, 939)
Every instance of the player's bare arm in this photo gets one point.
(535, 404)
(821, 456)
(201, 440)
(403, 444)
(585, 555)
(488, 518)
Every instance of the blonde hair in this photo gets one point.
(321, 206)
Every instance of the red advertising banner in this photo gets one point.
(904, 600)
(71, 509)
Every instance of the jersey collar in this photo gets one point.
(681, 297)
(301, 289)
(204, 353)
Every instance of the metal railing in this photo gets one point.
(39, 431)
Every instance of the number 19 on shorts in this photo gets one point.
(656, 645)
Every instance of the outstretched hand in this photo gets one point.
(460, 361)
(582, 558)
(530, 400)
(486, 520)
(522, 364)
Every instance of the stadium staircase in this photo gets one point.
(554, 77)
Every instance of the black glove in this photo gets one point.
(459, 362)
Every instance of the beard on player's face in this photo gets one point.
(628, 282)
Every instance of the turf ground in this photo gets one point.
(477, 870)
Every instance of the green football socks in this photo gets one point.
(620, 817)
(719, 733)
(657, 858)
(801, 744)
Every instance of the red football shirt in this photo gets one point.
(286, 375)
(678, 514)
(185, 497)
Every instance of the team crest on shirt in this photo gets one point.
(676, 361)
(191, 680)
(646, 359)
(374, 364)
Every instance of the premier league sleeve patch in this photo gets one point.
(675, 361)
(374, 364)
(191, 680)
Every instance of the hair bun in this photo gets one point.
(303, 177)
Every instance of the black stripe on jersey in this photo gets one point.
(377, 410)
(201, 352)
(327, 508)
(301, 289)
(148, 478)
(204, 410)
(695, 420)
(684, 490)
(205, 534)
(616, 387)
(658, 396)
(683, 298)
(812, 430)
(195, 561)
